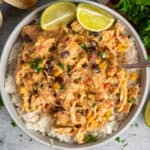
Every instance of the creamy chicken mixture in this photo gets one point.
(75, 77)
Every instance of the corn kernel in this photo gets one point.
(103, 64)
(133, 76)
(25, 107)
(98, 61)
(90, 96)
(56, 86)
(56, 73)
(108, 114)
(86, 88)
(94, 124)
(120, 48)
(25, 66)
(22, 90)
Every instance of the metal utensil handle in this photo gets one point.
(138, 65)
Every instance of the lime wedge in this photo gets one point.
(147, 114)
(57, 14)
(93, 18)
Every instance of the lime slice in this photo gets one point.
(93, 18)
(57, 14)
(147, 114)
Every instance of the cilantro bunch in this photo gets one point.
(138, 12)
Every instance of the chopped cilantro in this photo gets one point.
(79, 78)
(117, 139)
(62, 87)
(39, 69)
(13, 124)
(136, 124)
(123, 141)
(94, 104)
(53, 58)
(90, 138)
(84, 47)
(1, 102)
(132, 9)
(100, 38)
(125, 145)
(90, 33)
(132, 100)
(51, 49)
(69, 67)
(60, 65)
(35, 64)
(101, 54)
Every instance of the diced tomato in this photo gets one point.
(106, 85)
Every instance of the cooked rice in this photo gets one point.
(44, 124)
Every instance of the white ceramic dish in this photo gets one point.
(45, 140)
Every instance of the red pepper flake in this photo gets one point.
(106, 85)
(46, 105)
(87, 78)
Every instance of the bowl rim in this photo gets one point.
(3, 65)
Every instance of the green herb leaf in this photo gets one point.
(51, 49)
(69, 67)
(117, 139)
(143, 2)
(52, 58)
(149, 57)
(79, 78)
(123, 141)
(100, 38)
(90, 33)
(1, 103)
(94, 104)
(60, 65)
(62, 87)
(132, 100)
(136, 125)
(84, 47)
(35, 64)
(90, 138)
(101, 54)
(13, 124)
(132, 8)
(39, 69)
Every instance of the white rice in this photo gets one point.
(44, 124)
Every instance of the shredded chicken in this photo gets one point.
(75, 77)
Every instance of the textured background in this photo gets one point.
(137, 136)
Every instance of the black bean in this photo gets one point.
(92, 46)
(96, 68)
(59, 79)
(78, 126)
(35, 91)
(85, 65)
(48, 61)
(26, 38)
(64, 54)
(57, 109)
(95, 33)
(92, 49)
(84, 112)
(93, 43)
(50, 68)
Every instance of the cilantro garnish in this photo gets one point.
(90, 138)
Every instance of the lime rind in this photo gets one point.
(147, 114)
(87, 11)
(57, 14)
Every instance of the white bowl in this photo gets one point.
(43, 139)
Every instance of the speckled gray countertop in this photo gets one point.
(136, 137)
